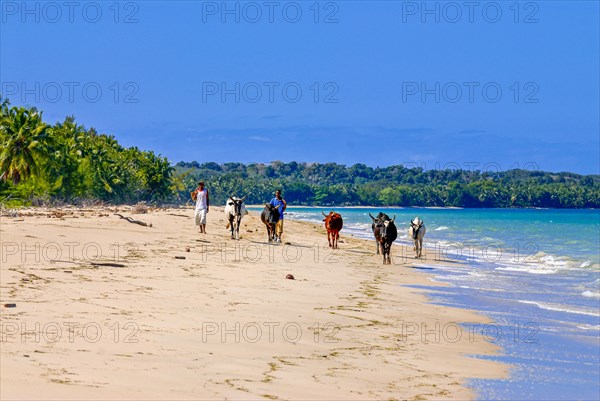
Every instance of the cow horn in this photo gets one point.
(394, 218)
(323, 213)
(231, 197)
(244, 198)
(372, 216)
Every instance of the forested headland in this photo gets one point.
(68, 163)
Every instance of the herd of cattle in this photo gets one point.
(384, 227)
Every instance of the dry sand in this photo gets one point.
(220, 321)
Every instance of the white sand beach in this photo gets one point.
(106, 309)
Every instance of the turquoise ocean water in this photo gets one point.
(536, 272)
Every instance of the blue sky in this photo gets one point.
(433, 84)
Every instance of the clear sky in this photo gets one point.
(489, 85)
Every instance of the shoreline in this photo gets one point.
(359, 322)
(365, 207)
(428, 207)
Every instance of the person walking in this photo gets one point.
(280, 203)
(200, 196)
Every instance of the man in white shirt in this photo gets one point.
(200, 195)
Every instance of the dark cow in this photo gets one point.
(270, 217)
(333, 225)
(234, 211)
(385, 233)
(389, 233)
(376, 226)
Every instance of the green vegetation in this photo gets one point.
(65, 162)
(334, 184)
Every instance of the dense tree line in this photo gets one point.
(66, 162)
(335, 184)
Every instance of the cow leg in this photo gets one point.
(237, 227)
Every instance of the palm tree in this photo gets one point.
(4, 106)
(25, 139)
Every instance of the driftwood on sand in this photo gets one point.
(108, 264)
(129, 219)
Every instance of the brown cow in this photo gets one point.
(333, 224)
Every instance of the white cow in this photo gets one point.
(417, 232)
(234, 211)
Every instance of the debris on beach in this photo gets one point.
(10, 305)
(187, 249)
(109, 264)
(140, 208)
(56, 214)
(179, 257)
(130, 220)
(290, 277)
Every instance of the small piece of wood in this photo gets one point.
(129, 219)
(178, 215)
(108, 264)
